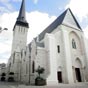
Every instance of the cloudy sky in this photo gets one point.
(40, 13)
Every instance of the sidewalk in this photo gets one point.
(78, 85)
(17, 85)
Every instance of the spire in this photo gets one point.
(21, 20)
(21, 16)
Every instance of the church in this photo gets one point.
(61, 49)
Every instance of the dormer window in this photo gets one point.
(25, 53)
(73, 44)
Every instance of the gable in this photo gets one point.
(66, 18)
(70, 20)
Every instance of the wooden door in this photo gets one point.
(78, 74)
(59, 75)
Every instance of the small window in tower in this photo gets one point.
(24, 30)
(73, 44)
(19, 28)
(58, 48)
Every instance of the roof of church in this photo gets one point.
(56, 23)
(21, 20)
(39, 44)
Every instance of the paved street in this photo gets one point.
(78, 85)
(14, 85)
(8, 85)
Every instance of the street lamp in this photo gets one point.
(3, 29)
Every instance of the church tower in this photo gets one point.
(20, 30)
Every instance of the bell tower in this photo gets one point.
(20, 30)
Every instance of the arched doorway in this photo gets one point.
(11, 77)
(78, 66)
(2, 78)
(59, 75)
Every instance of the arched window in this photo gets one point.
(25, 53)
(26, 68)
(11, 73)
(21, 54)
(10, 65)
(3, 74)
(73, 44)
(24, 30)
(33, 67)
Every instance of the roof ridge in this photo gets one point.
(59, 20)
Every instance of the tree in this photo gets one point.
(40, 70)
(39, 80)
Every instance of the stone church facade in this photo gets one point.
(61, 49)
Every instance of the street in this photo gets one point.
(14, 85)
(8, 85)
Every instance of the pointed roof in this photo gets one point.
(21, 16)
(70, 18)
(21, 20)
(58, 22)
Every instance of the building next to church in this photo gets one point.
(61, 49)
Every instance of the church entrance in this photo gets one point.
(59, 76)
(78, 66)
(78, 74)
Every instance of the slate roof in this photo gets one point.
(21, 16)
(75, 19)
(37, 44)
(21, 20)
(56, 23)
(40, 44)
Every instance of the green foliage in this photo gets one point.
(40, 70)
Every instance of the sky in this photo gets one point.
(39, 14)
